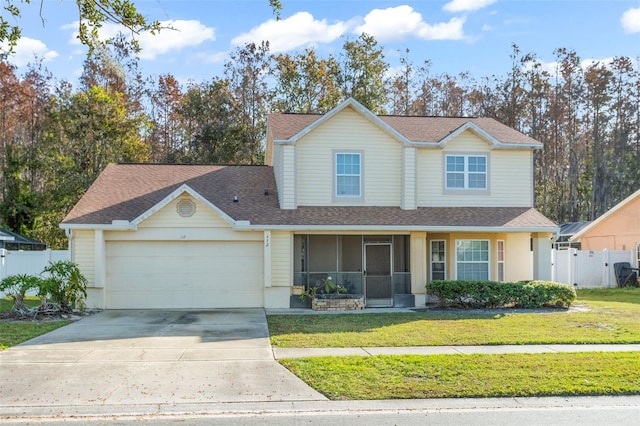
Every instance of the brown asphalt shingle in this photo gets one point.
(126, 191)
(415, 129)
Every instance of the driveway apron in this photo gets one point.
(150, 357)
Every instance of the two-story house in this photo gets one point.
(381, 204)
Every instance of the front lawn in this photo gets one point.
(605, 316)
(460, 376)
(15, 332)
(610, 316)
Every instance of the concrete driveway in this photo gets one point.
(128, 358)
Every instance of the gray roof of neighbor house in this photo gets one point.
(569, 229)
(415, 129)
(12, 238)
(126, 191)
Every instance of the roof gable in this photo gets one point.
(126, 194)
(411, 130)
(183, 189)
(473, 128)
(357, 107)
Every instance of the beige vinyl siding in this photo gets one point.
(281, 245)
(348, 131)
(277, 169)
(84, 254)
(288, 178)
(509, 175)
(409, 178)
(467, 142)
(168, 217)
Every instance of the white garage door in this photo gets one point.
(168, 274)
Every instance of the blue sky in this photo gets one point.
(457, 35)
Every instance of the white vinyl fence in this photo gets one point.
(588, 269)
(28, 262)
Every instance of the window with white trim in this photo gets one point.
(348, 174)
(438, 260)
(466, 172)
(472, 260)
(500, 257)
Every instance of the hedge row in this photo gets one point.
(491, 294)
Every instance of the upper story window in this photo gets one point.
(466, 172)
(348, 174)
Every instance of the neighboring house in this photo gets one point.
(562, 240)
(379, 204)
(617, 229)
(12, 241)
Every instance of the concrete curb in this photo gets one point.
(35, 413)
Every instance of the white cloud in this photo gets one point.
(298, 30)
(466, 5)
(586, 63)
(27, 50)
(176, 35)
(213, 58)
(451, 30)
(184, 34)
(397, 23)
(630, 21)
(390, 24)
(554, 66)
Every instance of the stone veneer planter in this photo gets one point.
(338, 304)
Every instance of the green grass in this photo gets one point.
(458, 376)
(613, 316)
(621, 295)
(15, 332)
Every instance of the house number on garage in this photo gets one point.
(267, 240)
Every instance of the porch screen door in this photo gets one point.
(378, 287)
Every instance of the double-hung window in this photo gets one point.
(438, 260)
(466, 172)
(348, 174)
(472, 260)
(500, 249)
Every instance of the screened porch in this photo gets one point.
(375, 266)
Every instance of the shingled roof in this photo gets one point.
(414, 129)
(126, 191)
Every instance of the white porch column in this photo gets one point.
(418, 249)
(267, 258)
(100, 259)
(542, 256)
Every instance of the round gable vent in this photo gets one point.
(186, 208)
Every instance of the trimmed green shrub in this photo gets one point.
(492, 294)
